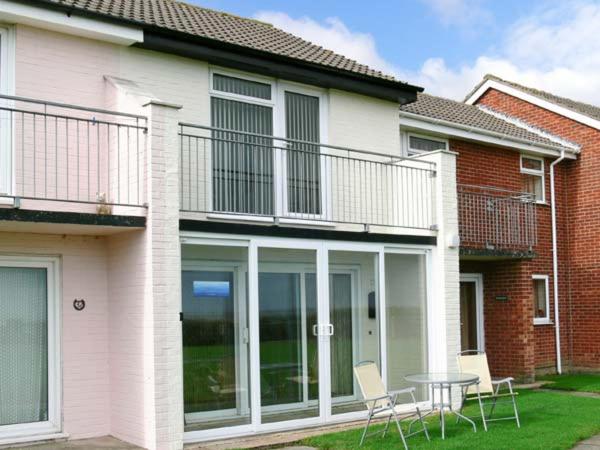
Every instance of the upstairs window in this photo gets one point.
(532, 177)
(240, 86)
(419, 144)
(541, 300)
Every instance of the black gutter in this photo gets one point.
(245, 58)
(75, 218)
(302, 233)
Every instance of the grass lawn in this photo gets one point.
(583, 382)
(548, 421)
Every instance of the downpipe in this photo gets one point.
(555, 263)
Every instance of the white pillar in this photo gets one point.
(165, 397)
(446, 297)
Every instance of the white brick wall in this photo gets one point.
(165, 275)
(446, 320)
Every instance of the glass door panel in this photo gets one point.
(354, 314)
(215, 337)
(23, 345)
(288, 346)
(406, 319)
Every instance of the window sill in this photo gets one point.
(542, 322)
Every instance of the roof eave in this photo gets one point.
(488, 84)
(382, 88)
(482, 135)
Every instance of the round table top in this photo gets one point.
(442, 378)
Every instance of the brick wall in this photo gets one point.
(580, 232)
(515, 346)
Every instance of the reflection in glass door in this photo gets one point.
(215, 338)
(288, 344)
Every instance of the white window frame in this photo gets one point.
(48, 429)
(543, 320)
(277, 105)
(7, 87)
(414, 152)
(539, 173)
(477, 279)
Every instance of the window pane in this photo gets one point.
(215, 337)
(425, 145)
(354, 314)
(242, 163)
(406, 312)
(241, 86)
(539, 292)
(289, 360)
(303, 162)
(532, 184)
(23, 345)
(531, 164)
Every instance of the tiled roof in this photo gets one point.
(472, 116)
(197, 21)
(579, 107)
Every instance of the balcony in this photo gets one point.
(232, 175)
(496, 222)
(65, 158)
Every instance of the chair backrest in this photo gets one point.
(370, 382)
(475, 362)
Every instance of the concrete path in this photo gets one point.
(589, 444)
(101, 443)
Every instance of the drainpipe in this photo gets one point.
(555, 263)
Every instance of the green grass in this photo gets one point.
(582, 382)
(548, 421)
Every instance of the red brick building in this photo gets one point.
(580, 235)
(505, 197)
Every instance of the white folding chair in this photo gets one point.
(381, 403)
(475, 362)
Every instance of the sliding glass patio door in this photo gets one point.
(272, 329)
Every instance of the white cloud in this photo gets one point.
(332, 34)
(556, 49)
(459, 12)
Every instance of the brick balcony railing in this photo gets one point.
(496, 219)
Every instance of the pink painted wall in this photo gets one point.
(129, 335)
(85, 361)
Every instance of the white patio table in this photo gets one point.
(443, 381)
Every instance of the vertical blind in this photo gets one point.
(23, 345)
(242, 164)
(303, 162)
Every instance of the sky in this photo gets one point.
(446, 46)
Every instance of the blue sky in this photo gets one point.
(447, 45)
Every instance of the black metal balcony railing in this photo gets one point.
(235, 173)
(70, 153)
(496, 219)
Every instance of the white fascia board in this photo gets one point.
(561, 110)
(414, 122)
(13, 12)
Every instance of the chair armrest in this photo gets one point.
(407, 390)
(376, 399)
(503, 380)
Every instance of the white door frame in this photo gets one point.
(477, 278)
(322, 249)
(53, 425)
